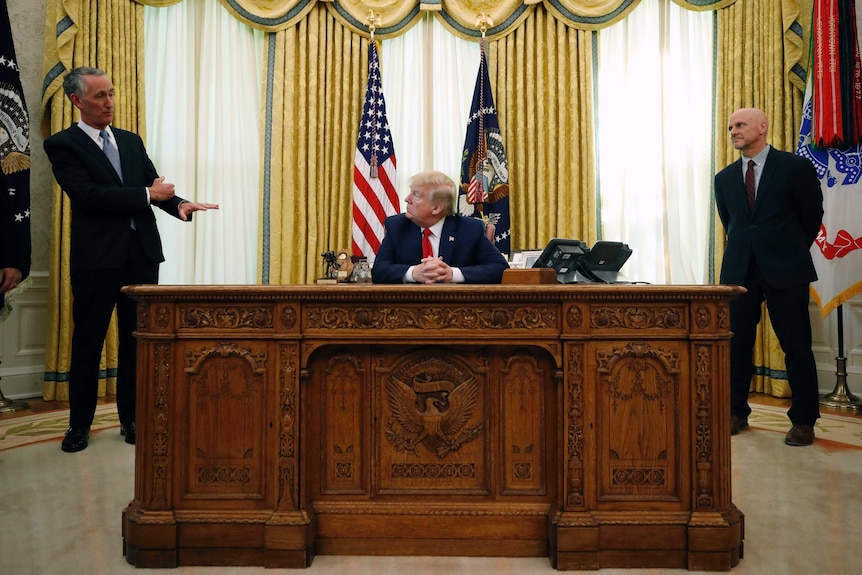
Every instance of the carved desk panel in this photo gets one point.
(585, 423)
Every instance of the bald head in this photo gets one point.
(748, 128)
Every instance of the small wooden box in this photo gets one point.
(530, 276)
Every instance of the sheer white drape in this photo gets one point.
(428, 78)
(655, 140)
(204, 72)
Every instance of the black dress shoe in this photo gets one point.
(75, 440)
(129, 432)
(737, 424)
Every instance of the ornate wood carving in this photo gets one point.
(225, 317)
(161, 377)
(703, 434)
(640, 384)
(575, 428)
(529, 317)
(638, 317)
(584, 422)
(288, 390)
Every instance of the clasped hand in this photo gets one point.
(432, 270)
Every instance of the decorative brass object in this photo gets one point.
(10, 405)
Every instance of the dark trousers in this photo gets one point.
(95, 293)
(788, 312)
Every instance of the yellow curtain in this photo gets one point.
(542, 78)
(762, 46)
(106, 34)
(315, 82)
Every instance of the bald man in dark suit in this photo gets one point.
(768, 252)
(112, 186)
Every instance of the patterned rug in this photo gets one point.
(27, 429)
(835, 429)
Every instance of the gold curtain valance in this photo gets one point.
(462, 17)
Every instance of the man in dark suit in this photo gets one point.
(112, 185)
(771, 205)
(454, 249)
(14, 245)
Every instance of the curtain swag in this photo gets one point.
(464, 18)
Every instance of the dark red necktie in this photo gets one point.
(749, 183)
(427, 250)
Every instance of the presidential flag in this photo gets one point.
(484, 192)
(14, 140)
(374, 193)
(837, 250)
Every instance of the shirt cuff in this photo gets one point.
(408, 276)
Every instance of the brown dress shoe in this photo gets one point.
(737, 424)
(800, 435)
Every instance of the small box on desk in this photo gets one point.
(530, 276)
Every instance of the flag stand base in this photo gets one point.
(840, 398)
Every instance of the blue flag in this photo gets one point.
(484, 192)
(14, 148)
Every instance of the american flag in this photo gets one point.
(14, 148)
(374, 194)
(484, 192)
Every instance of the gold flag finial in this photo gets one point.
(483, 22)
(372, 19)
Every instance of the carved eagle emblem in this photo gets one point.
(433, 413)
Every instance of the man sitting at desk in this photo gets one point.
(430, 243)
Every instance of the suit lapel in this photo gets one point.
(95, 151)
(447, 239)
(737, 193)
(770, 168)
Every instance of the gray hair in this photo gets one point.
(441, 189)
(73, 82)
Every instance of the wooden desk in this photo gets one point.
(586, 423)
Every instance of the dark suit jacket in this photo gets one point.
(462, 244)
(102, 204)
(779, 231)
(14, 237)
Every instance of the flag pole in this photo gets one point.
(371, 22)
(840, 398)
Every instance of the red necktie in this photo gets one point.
(749, 183)
(427, 250)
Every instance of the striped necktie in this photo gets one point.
(749, 183)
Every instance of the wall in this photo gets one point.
(22, 336)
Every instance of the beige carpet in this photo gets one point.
(837, 429)
(27, 429)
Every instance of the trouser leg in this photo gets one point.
(788, 311)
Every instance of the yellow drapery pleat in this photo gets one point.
(756, 54)
(315, 80)
(106, 34)
(542, 79)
